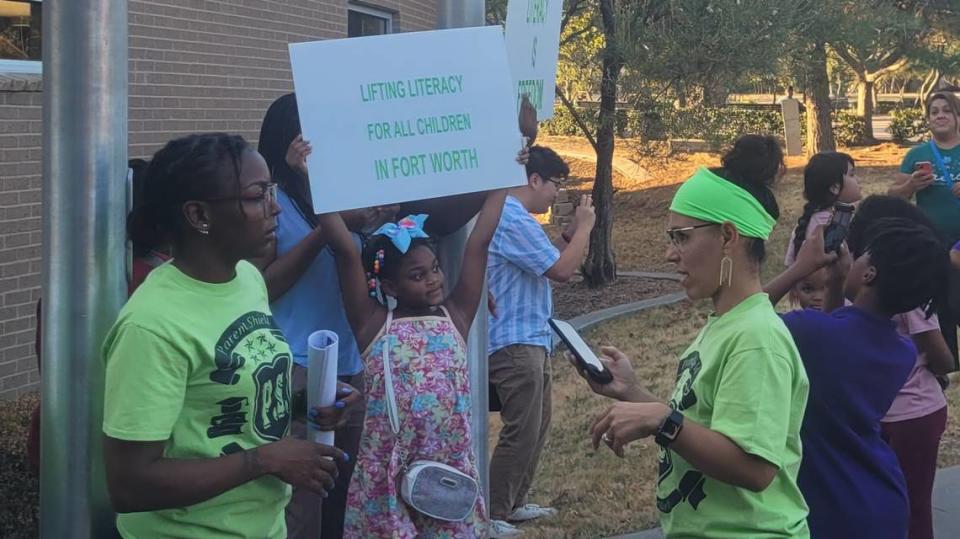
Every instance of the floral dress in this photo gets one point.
(429, 368)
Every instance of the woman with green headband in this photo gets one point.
(729, 435)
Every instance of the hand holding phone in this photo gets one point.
(584, 357)
(926, 167)
(836, 232)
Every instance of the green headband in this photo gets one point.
(710, 198)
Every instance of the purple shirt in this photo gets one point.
(856, 364)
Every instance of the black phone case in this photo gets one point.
(602, 377)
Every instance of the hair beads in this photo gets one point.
(374, 276)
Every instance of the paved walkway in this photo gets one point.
(946, 508)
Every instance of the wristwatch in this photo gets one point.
(669, 429)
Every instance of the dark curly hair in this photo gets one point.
(391, 257)
(754, 163)
(912, 263)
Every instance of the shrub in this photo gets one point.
(848, 128)
(907, 123)
(719, 126)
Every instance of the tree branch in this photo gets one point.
(892, 68)
(574, 35)
(848, 57)
(574, 10)
(577, 119)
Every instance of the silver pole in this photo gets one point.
(84, 167)
(459, 14)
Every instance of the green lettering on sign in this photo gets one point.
(533, 88)
(537, 11)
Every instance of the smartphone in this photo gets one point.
(583, 356)
(836, 232)
(924, 166)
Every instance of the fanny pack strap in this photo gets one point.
(393, 411)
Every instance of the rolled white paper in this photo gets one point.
(322, 353)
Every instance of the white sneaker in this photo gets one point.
(502, 528)
(531, 511)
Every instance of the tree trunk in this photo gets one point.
(600, 268)
(817, 102)
(865, 97)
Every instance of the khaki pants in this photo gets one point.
(521, 375)
(304, 517)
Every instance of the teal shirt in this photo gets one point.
(937, 201)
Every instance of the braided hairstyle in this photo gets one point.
(824, 171)
(924, 267)
(280, 126)
(754, 163)
(194, 167)
(381, 258)
(912, 264)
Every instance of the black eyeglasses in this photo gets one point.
(559, 182)
(266, 195)
(678, 236)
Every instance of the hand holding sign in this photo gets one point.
(528, 120)
(406, 116)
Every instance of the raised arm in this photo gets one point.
(810, 258)
(465, 299)
(573, 252)
(281, 273)
(365, 314)
(447, 214)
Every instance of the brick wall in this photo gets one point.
(195, 65)
(20, 161)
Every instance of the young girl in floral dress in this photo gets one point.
(423, 339)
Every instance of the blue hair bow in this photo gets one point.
(404, 231)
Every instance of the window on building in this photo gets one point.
(20, 43)
(362, 21)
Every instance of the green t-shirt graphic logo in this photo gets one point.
(254, 338)
(690, 487)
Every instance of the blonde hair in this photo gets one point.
(951, 100)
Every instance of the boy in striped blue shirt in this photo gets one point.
(522, 262)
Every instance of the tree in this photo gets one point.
(806, 66)
(877, 38)
(600, 267)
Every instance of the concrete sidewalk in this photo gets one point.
(946, 508)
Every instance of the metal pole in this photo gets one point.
(84, 166)
(459, 14)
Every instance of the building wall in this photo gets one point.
(20, 224)
(195, 65)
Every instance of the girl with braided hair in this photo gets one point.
(197, 400)
(828, 178)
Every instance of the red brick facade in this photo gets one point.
(195, 65)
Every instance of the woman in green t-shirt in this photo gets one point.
(197, 400)
(930, 173)
(730, 434)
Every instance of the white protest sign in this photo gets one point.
(406, 117)
(533, 44)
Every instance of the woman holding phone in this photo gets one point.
(930, 174)
(730, 433)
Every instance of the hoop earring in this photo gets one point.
(204, 229)
(726, 270)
